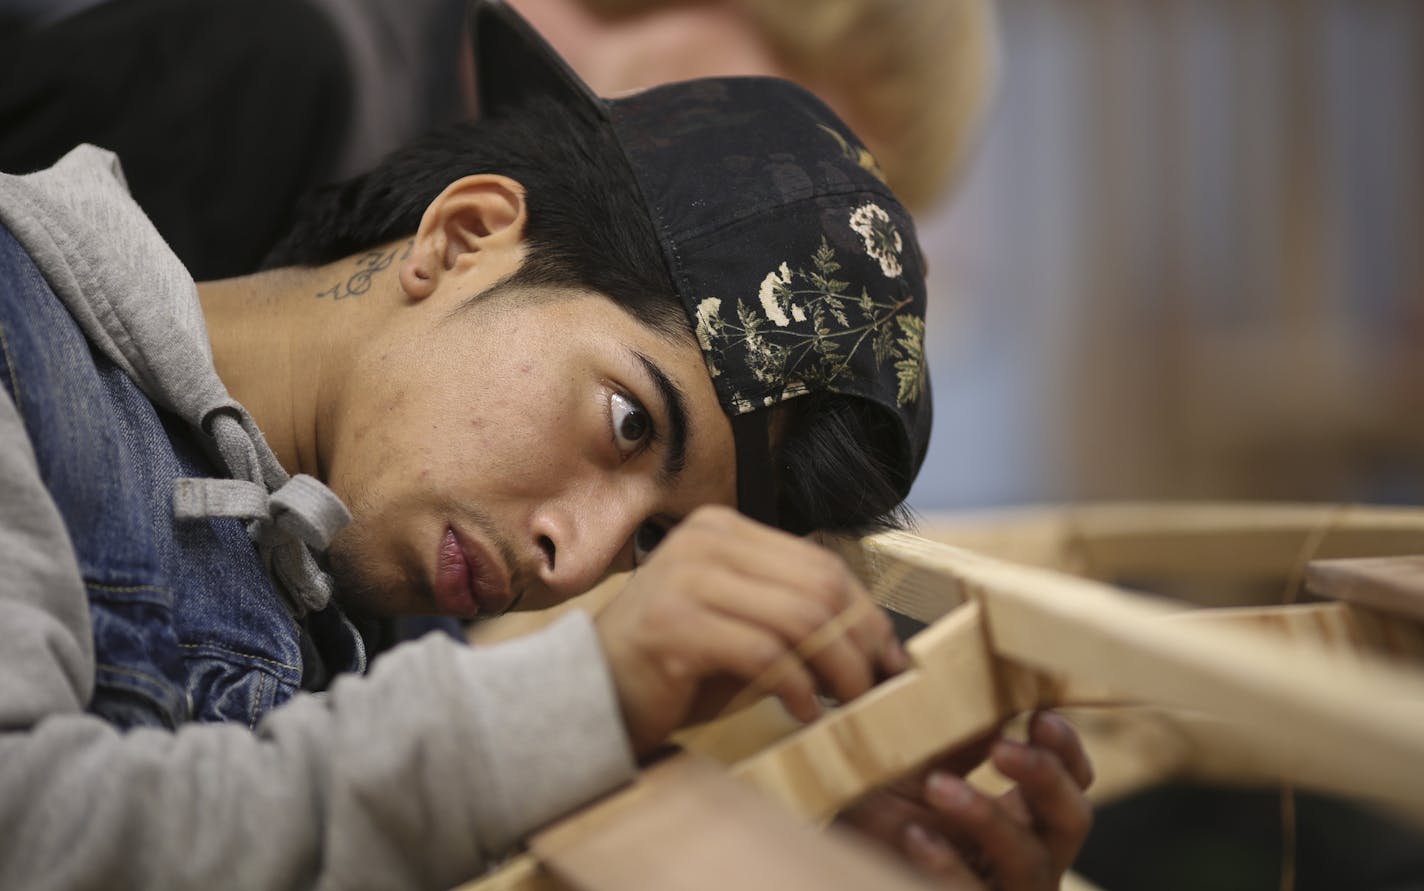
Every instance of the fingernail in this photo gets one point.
(1052, 727)
(897, 659)
(947, 790)
(931, 844)
(1012, 755)
(1004, 750)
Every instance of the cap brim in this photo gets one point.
(514, 63)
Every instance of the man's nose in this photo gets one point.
(582, 540)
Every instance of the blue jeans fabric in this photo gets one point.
(187, 624)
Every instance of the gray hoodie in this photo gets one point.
(414, 776)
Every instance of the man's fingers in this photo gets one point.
(754, 656)
(933, 854)
(883, 816)
(806, 627)
(1015, 857)
(725, 599)
(963, 758)
(1053, 732)
(907, 828)
(828, 603)
(1051, 795)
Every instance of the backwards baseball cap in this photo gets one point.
(796, 265)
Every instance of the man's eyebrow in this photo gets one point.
(675, 409)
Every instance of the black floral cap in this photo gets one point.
(797, 266)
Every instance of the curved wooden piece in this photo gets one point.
(1187, 539)
(1069, 639)
(687, 826)
(1389, 584)
(1315, 688)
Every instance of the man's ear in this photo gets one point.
(476, 215)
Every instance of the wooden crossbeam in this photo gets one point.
(1390, 584)
(686, 826)
(1327, 688)
(1182, 539)
(1057, 639)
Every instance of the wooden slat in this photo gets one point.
(910, 582)
(1345, 630)
(1293, 699)
(1296, 691)
(1191, 539)
(890, 730)
(1390, 584)
(687, 826)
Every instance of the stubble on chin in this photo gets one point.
(363, 586)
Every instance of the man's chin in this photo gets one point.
(362, 591)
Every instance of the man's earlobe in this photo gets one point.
(417, 278)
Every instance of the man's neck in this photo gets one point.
(281, 342)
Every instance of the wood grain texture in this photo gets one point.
(1347, 631)
(1298, 699)
(1198, 539)
(892, 729)
(686, 826)
(1389, 584)
(1330, 693)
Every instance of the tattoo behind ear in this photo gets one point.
(366, 267)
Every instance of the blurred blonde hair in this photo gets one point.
(916, 74)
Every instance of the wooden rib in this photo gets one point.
(890, 730)
(1139, 746)
(1345, 630)
(1290, 698)
(1105, 541)
(1210, 539)
(910, 582)
(1291, 702)
(687, 826)
(1391, 584)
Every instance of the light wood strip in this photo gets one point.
(1391, 584)
(950, 697)
(687, 826)
(1290, 686)
(1290, 698)
(1192, 539)
(1346, 631)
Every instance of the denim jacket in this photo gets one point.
(187, 623)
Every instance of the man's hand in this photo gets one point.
(1023, 840)
(725, 602)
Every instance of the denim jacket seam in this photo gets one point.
(240, 655)
(127, 589)
(10, 367)
(257, 704)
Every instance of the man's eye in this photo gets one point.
(631, 424)
(645, 539)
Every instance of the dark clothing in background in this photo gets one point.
(225, 114)
(218, 138)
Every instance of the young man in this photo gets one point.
(512, 359)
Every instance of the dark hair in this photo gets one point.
(587, 228)
(835, 468)
(586, 224)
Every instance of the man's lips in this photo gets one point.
(469, 581)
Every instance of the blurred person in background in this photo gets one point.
(224, 115)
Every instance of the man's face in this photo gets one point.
(518, 449)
